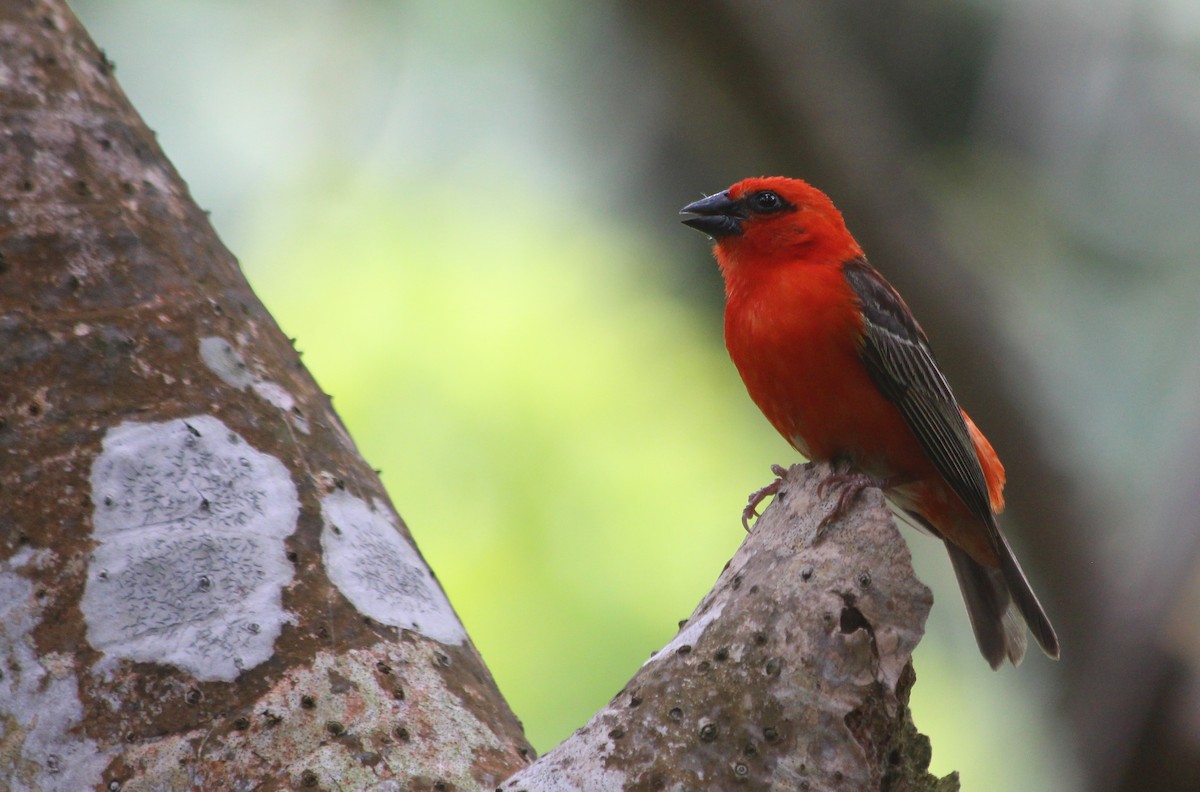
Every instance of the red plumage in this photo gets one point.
(831, 354)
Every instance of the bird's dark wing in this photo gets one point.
(901, 364)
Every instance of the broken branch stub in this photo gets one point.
(792, 674)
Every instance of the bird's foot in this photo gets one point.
(758, 496)
(852, 483)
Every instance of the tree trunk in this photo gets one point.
(203, 586)
(792, 674)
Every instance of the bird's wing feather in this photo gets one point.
(897, 355)
(900, 362)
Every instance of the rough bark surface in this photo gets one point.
(792, 674)
(202, 584)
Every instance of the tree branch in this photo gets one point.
(202, 584)
(792, 674)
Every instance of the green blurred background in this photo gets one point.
(466, 213)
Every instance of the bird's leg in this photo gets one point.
(852, 483)
(758, 496)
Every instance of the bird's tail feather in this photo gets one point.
(1025, 600)
(998, 600)
(998, 629)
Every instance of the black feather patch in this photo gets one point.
(901, 364)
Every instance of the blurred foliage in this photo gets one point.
(563, 438)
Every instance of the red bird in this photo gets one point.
(833, 357)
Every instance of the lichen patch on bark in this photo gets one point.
(190, 563)
(41, 744)
(379, 572)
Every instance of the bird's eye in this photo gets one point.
(766, 202)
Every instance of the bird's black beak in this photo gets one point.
(717, 215)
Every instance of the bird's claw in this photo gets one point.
(759, 495)
(852, 484)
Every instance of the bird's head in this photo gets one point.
(773, 220)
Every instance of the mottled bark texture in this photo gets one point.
(202, 584)
(792, 674)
